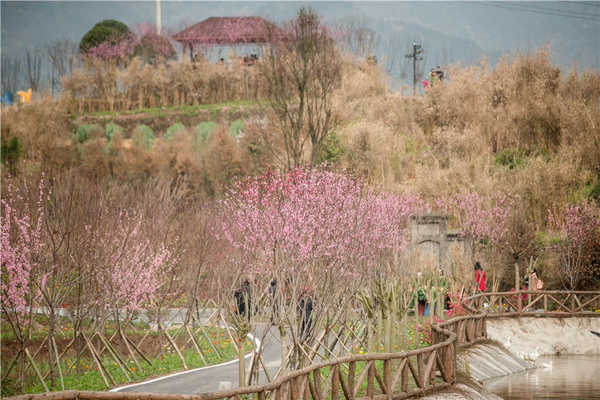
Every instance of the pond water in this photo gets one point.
(571, 377)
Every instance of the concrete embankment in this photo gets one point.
(552, 336)
(486, 360)
(490, 360)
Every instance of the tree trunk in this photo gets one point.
(380, 323)
(242, 364)
(370, 328)
(284, 350)
(51, 347)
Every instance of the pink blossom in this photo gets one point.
(316, 217)
(22, 242)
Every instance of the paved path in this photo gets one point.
(207, 379)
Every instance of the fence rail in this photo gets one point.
(385, 376)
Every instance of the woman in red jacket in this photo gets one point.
(479, 277)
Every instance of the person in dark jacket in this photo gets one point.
(272, 289)
(306, 308)
(243, 297)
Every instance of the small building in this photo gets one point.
(227, 31)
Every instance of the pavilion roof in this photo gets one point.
(227, 30)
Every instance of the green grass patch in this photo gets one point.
(167, 361)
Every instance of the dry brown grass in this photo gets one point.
(101, 85)
(523, 127)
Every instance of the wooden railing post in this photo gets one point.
(420, 367)
(387, 377)
(371, 379)
(351, 377)
(335, 382)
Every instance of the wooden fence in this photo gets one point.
(381, 376)
(545, 303)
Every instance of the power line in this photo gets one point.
(547, 12)
(589, 4)
(557, 11)
(531, 11)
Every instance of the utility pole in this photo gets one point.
(158, 18)
(416, 57)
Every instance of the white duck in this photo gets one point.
(533, 356)
(547, 365)
(507, 343)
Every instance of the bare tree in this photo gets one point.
(11, 74)
(397, 65)
(64, 57)
(302, 68)
(63, 54)
(33, 68)
(357, 38)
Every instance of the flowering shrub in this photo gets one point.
(424, 330)
(524, 297)
(154, 48)
(456, 306)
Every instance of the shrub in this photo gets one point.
(111, 129)
(236, 128)
(204, 131)
(86, 131)
(143, 134)
(333, 149)
(11, 152)
(172, 129)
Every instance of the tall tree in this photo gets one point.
(302, 69)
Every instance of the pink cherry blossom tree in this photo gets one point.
(316, 231)
(22, 244)
(115, 47)
(480, 218)
(129, 269)
(573, 228)
(152, 47)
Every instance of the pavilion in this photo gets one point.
(226, 31)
